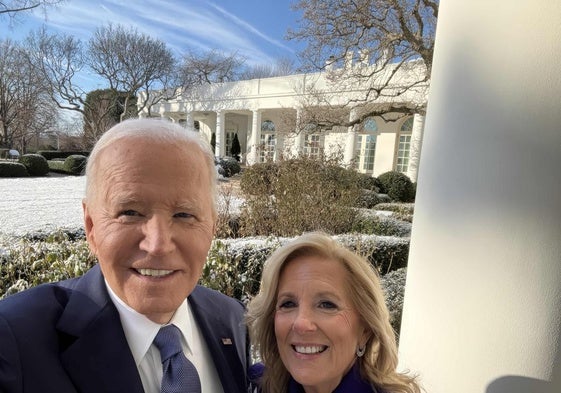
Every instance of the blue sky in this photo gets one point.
(253, 28)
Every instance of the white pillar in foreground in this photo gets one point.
(483, 297)
(416, 145)
(253, 153)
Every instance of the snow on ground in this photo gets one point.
(41, 203)
(46, 203)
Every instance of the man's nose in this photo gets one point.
(304, 321)
(157, 238)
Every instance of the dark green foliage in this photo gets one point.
(230, 165)
(75, 164)
(12, 169)
(36, 164)
(368, 199)
(286, 198)
(381, 226)
(56, 166)
(397, 185)
(369, 182)
(236, 149)
(53, 154)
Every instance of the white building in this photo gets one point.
(267, 116)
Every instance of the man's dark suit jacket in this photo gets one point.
(67, 337)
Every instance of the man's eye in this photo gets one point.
(327, 305)
(129, 213)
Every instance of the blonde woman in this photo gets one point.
(320, 323)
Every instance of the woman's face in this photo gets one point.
(316, 325)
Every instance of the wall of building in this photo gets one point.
(483, 296)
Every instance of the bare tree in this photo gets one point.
(25, 107)
(383, 46)
(60, 59)
(282, 67)
(132, 62)
(13, 7)
(213, 66)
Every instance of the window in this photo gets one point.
(268, 141)
(404, 146)
(313, 145)
(366, 146)
(268, 126)
(267, 150)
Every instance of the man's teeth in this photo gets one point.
(309, 349)
(154, 272)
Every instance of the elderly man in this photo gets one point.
(137, 321)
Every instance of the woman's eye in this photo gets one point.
(327, 305)
(182, 215)
(287, 304)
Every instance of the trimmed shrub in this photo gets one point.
(36, 164)
(53, 154)
(369, 182)
(371, 224)
(393, 285)
(25, 263)
(12, 169)
(75, 164)
(398, 186)
(368, 199)
(230, 166)
(56, 166)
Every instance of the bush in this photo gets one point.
(372, 224)
(233, 266)
(229, 165)
(12, 169)
(75, 164)
(286, 198)
(369, 182)
(393, 285)
(36, 164)
(54, 154)
(25, 263)
(397, 185)
(56, 166)
(402, 211)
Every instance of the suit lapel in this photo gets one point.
(221, 343)
(94, 349)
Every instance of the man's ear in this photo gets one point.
(89, 227)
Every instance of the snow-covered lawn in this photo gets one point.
(41, 203)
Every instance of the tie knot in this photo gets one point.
(168, 341)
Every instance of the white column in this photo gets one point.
(299, 140)
(220, 150)
(351, 139)
(415, 147)
(189, 120)
(252, 150)
(483, 297)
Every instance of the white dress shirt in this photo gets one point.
(140, 333)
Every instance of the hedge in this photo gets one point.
(12, 169)
(52, 154)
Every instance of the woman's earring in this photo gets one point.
(360, 351)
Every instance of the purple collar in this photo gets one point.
(351, 383)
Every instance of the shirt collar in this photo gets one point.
(141, 331)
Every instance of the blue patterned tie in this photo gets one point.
(180, 375)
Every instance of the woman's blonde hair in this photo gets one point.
(379, 363)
